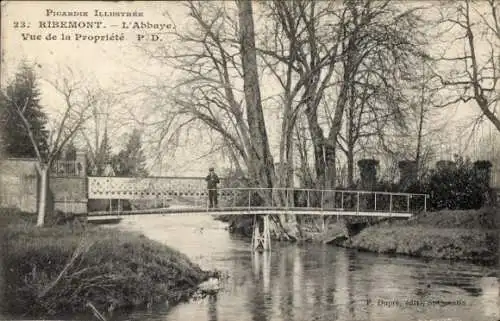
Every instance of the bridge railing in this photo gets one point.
(327, 200)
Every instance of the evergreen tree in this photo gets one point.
(101, 157)
(131, 160)
(23, 91)
(70, 153)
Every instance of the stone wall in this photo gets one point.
(408, 173)
(18, 188)
(368, 173)
(69, 194)
(18, 184)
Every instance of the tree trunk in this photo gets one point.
(259, 152)
(318, 142)
(331, 164)
(43, 188)
(420, 128)
(350, 166)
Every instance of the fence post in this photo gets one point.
(375, 209)
(342, 200)
(408, 203)
(322, 199)
(390, 203)
(308, 199)
(249, 191)
(425, 203)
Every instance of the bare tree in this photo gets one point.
(328, 45)
(97, 131)
(70, 118)
(374, 111)
(218, 89)
(260, 155)
(469, 70)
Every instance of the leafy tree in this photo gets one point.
(23, 91)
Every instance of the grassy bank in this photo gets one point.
(458, 235)
(62, 268)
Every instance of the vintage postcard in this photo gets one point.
(250, 160)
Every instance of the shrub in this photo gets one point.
(457, 187)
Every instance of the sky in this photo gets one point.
(27, 26)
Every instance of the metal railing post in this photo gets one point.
(287, 198)
(408, 203)
(357, 205)
(390, 203)
(249, 191)
(425, 203)
(308, 199)
(375, 209)
(322, 198)
(342, 200)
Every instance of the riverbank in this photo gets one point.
(58, 269)
(455, 235)
(470, 235)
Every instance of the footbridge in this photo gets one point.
(188, 196)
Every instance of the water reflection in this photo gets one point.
(490, 296)
(212, 308)
(319, 282)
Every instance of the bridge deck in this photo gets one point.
(251, 211)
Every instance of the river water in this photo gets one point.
(315, 282)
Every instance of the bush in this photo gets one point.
(458, 187)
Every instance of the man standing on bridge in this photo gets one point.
(212, 181)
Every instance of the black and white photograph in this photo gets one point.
(245, 160)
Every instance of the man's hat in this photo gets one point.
(211, 169)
